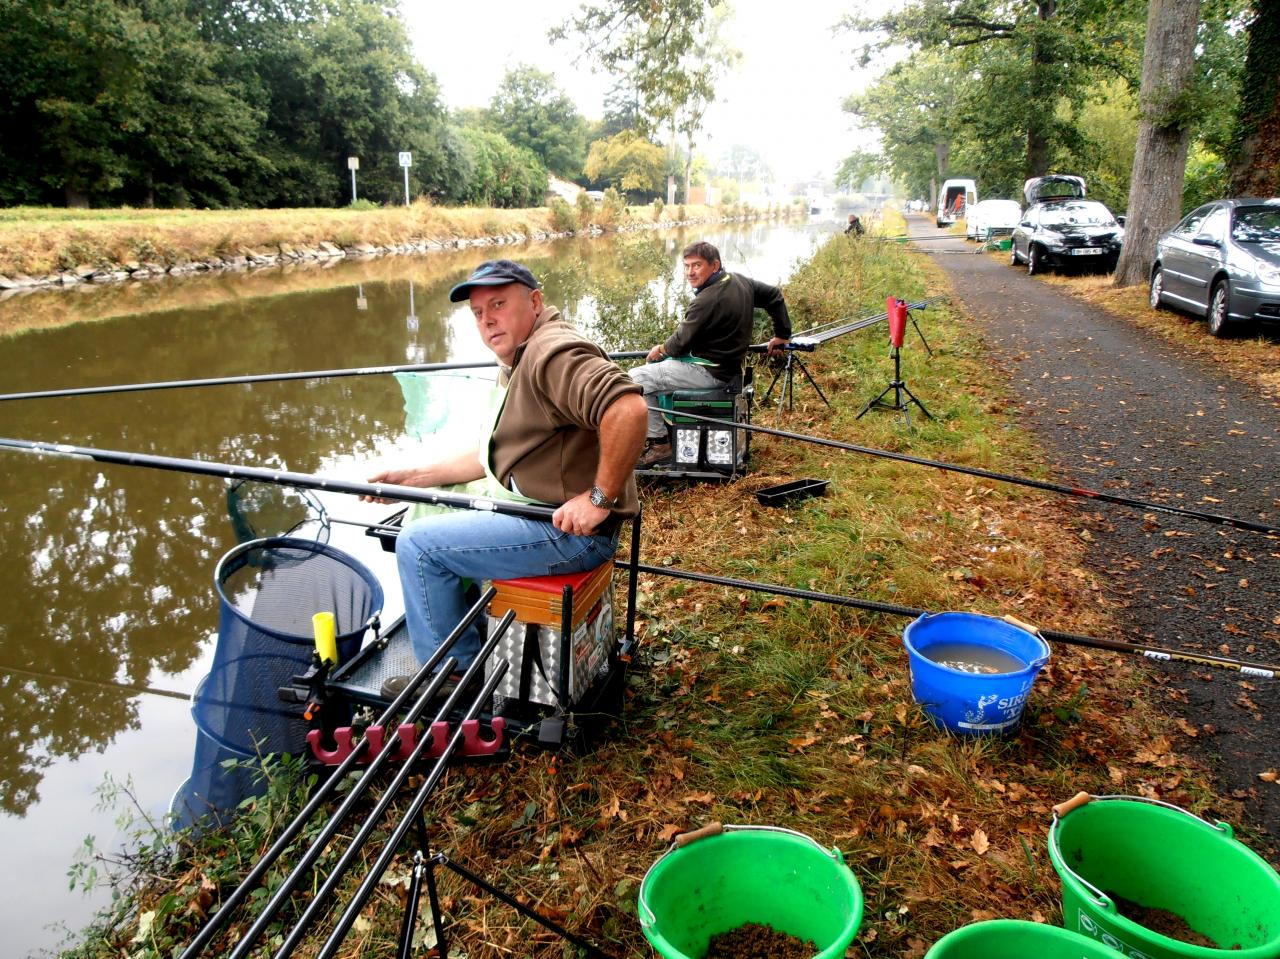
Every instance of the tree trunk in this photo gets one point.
(1255, 159)
(1042, 61)
(688, 166)
(1160, 161)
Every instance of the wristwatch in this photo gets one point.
(600, 501)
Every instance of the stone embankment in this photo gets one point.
(246, 258)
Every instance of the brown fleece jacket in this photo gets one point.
(547, 434)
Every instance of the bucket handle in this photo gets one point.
(647, 916)
(1080, 799)
(1034, 631)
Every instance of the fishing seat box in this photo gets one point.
(696, 444)
(561, 639)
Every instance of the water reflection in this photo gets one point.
(109, 570)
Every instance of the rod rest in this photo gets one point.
(473, 743)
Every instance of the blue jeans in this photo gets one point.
(435, 553)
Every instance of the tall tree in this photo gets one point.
(629, 162)
(1167, 105)
(916, 108)
(1255, 150)
(653, 44)
(531, 111)
(1035, 55)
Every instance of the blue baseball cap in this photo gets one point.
(493, 273)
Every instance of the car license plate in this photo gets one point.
(1086, 251)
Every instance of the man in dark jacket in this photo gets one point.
(707, 348)
(567, 434)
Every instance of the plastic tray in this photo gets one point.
(788, 493)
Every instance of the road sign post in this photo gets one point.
(406, 161)
(353, 164)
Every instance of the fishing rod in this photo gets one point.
(249, 378)
(411, 494)
(822, 334)
(1076, 491)
(100, 683)
(1263, 671)
(275, 378)
(338, 777)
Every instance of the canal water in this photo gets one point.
(108, 613)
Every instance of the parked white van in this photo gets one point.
(955, 197)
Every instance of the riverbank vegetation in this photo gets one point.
(39, 240)
(315, 103)
(748, 708)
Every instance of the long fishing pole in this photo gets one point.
(338, 778)
(829, 331)
(1077, 491)
(1158, 653)
(249, 378)
(411, 494)
(100, 683)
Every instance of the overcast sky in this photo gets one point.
(783, 100)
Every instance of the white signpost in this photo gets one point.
(406, 161)
(353, 164)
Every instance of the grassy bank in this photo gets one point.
(745, 708)
(39, 241)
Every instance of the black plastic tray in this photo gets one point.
(788, 493)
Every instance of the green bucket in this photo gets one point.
(722, 877)
(1018, 939)
(1162, 857)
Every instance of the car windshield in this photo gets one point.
(1077, 213)
(1256, 224)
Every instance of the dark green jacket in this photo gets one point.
(718, 324)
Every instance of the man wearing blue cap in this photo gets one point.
(568, 432)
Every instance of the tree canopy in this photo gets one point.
(213, 103)
(532, 112)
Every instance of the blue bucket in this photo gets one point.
(972, 704)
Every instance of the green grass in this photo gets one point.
(746, 708)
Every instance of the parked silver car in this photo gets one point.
(1222, 262)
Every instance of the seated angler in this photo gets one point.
(568, 432)
(706, 349)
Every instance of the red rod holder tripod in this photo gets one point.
(902, 396)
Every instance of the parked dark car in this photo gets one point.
(1222, 262)
(1063, 231)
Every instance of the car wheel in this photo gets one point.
(1157, 289)
(1219, 301)
(1034, 265)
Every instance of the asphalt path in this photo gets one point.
(1120, 410)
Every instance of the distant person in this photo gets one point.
(706, 350)
(568, 434)
(855, 226)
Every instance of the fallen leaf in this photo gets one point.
(979, 842)
(1269, 776)
(668, 832)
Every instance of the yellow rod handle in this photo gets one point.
(326, 633)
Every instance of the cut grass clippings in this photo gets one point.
(749, 708)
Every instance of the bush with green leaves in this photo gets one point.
(563, 218)
(586, 209)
